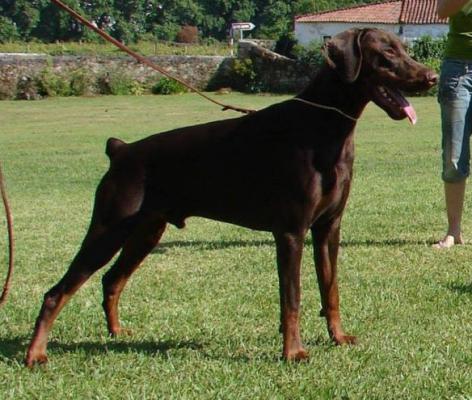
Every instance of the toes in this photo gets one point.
(345, 339)
(120, 332)
(31, 360)
(296, 355)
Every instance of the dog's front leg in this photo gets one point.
(289, 252)
(325, 247)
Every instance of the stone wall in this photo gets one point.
(196, 70)
(277, 73)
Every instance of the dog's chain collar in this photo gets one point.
(326, 108)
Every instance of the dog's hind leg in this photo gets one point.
(325, 247)
(108, 230)
(90, 258)
(144, 238)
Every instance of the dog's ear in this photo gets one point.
(343, 54)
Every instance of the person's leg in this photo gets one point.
(454, 99)
(454, 196)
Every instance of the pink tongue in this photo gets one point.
(411, 114)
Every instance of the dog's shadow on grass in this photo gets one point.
(225, 244)
(146, 347)
(461, 288)
(15, 348)
(209, 244)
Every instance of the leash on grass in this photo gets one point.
(144, 60)
(6, 287)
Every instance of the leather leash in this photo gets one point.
(6, 287)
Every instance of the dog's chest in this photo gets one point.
(329, 186)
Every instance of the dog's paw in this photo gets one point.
(34, 359)
(296, 355)
(344, 339)
(120, 332)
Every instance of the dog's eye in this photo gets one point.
(384, 61)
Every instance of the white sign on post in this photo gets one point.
(241, 27)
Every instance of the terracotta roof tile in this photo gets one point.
(420, 12)
(387, 12)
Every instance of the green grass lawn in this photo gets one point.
(147, 48)
(203, 308)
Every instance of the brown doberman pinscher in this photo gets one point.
(286, 169)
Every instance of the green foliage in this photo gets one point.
(27, 89)
(310, 55)
(429, 51)
(427, 48)
(210, 47)
(119, 82)
(168, 86)
(8, 88)
(8, 30)
(24, 13)
(130, 20)
(244, 76)
(52, 84)
(82, 82)
(275, 19)
(286, 45)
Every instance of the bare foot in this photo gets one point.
(448, 242)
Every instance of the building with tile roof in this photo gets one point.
(409, 19)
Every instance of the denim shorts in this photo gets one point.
(455, 94)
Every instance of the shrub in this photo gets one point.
(427, 48)
(136, 88)
(27, 89)
(285, 45)
(168, 86)
(7, 88)
(310, 55)
(244, 76)
(82, 83)
(166, 31)
(51, 84)
(187, 34)
(429, 51)
(118, 83)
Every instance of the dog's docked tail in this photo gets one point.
(113, 146)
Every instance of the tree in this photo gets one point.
(219, 14)
(8, 30)
(130, 20)
(55, 24)
(23, 13)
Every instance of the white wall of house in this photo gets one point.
(412, 32)
(308, 32)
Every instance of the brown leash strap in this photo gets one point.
(144, 60)
(6, 287)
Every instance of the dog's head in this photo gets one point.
(379, 61)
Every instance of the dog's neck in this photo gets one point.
(328, 89)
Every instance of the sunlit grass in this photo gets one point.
(204, 306)
(146, 48)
